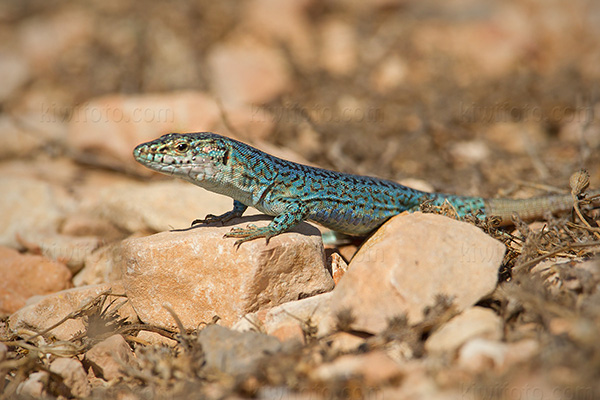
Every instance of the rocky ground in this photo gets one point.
(98, 298)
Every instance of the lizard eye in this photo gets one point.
(182, 147)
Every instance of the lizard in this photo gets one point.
(354, 205)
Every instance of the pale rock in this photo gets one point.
(375, 368)
(473, 322)
(560, 326)
(155, 339)
(283, 21)
(349, 108)
(69, 250)
(390, 74)
(14, 71)
(156, 206)
(480, 354)
(339, 53)
(344, 342)
(200, 274)
(73, 374)
(34, 385)
(470, 152)
(338, 267)
(102, 266)
(291, 332)
(412, 259)
(51, 309)
(105, 130)
(233, 352)
(255, 322)
(108, 357)
(25, 275)
(34, 207)
(247, 73)
(290, 320)
(418, 184)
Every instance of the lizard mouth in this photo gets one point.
(153, 159)
(195, 167)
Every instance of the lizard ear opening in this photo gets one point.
(221, 151)
(216, 150)
(225, 157)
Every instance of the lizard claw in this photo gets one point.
(208, 219)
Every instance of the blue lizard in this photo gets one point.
(292, 192)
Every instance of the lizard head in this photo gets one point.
(192, 156)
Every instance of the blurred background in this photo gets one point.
(489, 98)
(471, 96)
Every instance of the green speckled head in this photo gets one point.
(204, 159)
(178, 154)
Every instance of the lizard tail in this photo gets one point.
(528, 209)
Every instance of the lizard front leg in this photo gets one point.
(293, 215)
(238, 210)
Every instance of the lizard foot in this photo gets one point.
(251, 232)
(210, 218)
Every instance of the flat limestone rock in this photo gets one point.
(291, 320)
(409, 261)
(200, 274)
